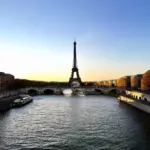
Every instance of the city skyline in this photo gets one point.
(36, 40)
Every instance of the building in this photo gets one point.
(5, 80)
(106, 83)
(124, 82)
(114, 83)
(101, 83)
(145, 82)
(110, 83)
(136, 81)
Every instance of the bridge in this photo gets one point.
(50, 90)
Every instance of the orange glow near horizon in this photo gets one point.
(64, 77)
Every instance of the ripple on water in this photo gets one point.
(87, 123)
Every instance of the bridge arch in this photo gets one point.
(32, 92)
(99, 91)
(114, 92)
(123, 92)
(48, 92)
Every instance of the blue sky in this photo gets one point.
(36, 38)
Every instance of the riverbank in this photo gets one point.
(138, 104)
(6, 102)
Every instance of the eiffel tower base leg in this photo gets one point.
(75, 80)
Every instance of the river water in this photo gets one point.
(74, 123)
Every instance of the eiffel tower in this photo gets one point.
(75, 69)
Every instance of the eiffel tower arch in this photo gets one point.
(75, 71)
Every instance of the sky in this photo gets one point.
(36, 38)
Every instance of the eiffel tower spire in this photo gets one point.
(75, 68)
(75, 56)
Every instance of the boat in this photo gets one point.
(23, 100)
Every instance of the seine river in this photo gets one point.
(74, 123)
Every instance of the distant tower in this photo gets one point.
(76, 79)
